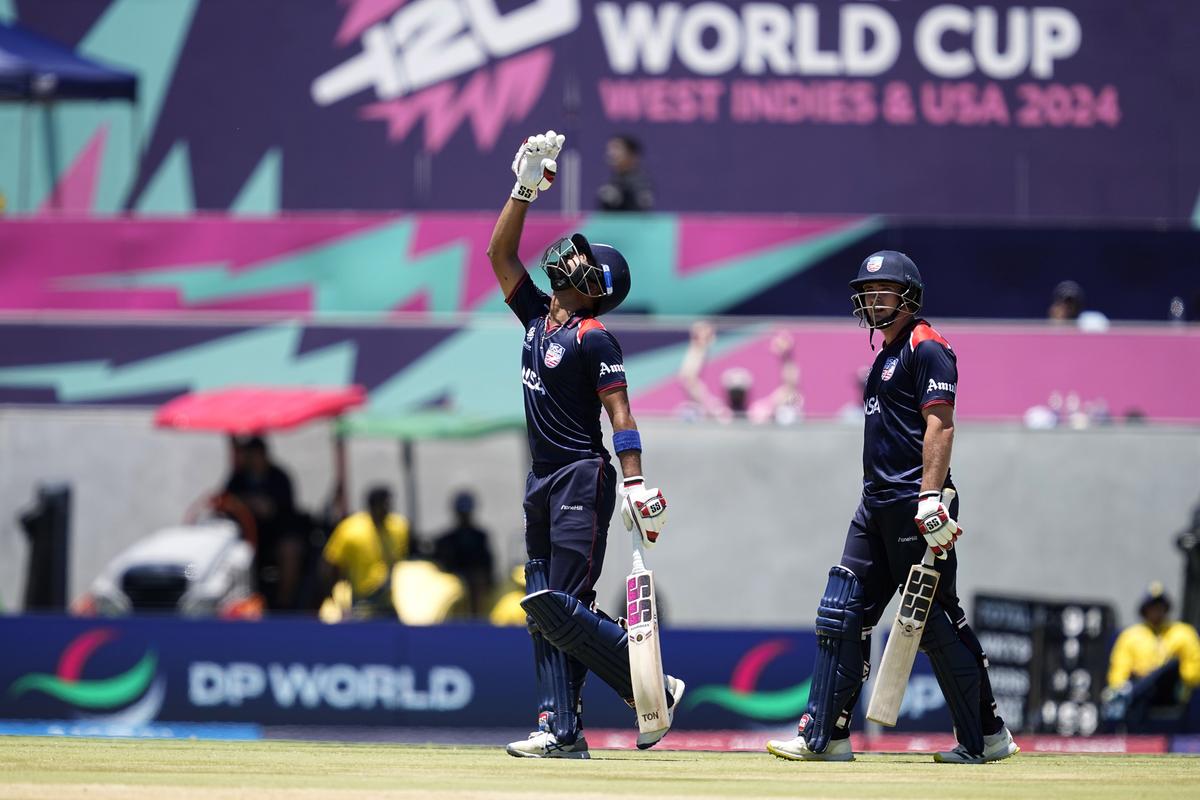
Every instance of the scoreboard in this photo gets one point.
(1048, 660)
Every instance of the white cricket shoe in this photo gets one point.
(797, 750)
(543, 744)
(996, 747)
(675, 688)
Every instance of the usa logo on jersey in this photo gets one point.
(554, 354)
(889, 368)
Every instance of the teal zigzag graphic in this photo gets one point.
(479, 369)
(263, 356)
(364, 273)
(260, 193)
(145, 38)
(170, 190)
(653, 247)
(650, 244)
(372, 271)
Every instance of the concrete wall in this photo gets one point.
(757, 514)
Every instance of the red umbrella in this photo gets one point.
(249, 409)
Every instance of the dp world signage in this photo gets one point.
(140, 671)
(159, 670)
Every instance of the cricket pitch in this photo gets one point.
(100, 769)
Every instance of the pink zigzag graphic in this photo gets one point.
(436, 231)
(417, 304)
(75, 189)
(56, 252)
(283, 300)
(362, 15)
(708, 241)
(491, 99)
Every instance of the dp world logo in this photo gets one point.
(742, 695)
(132, 697)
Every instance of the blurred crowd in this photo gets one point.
(736, 398)
(368, 564)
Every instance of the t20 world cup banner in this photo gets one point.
(1009, 109)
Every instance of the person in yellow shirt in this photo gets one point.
(507, 609)
(1154, 663)
(363, 549)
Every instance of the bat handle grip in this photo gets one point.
(929, 558)
(639, 553)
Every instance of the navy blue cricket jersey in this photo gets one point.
(917, 370)
(564, 370)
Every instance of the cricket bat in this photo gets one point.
(645, 656)
(901, 650)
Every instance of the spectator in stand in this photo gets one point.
(1155, 664)
(628, 187)
(854, 411)
(1067, 305)
(265, 489)
(464, 550)
(507, 609)
(363, 549)
(784, 405)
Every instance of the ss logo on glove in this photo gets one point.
(933, 523)
(653, 506)
(644, 510)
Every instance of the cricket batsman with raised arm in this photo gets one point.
(908, 504)
(571, 366)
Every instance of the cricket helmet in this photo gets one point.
(886, 266)
(595, 270)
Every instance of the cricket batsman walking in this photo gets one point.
(909, 404)
(571, 367)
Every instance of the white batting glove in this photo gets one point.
(644, 508)
(535, 165)
(934, 522)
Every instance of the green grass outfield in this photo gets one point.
(100, 769)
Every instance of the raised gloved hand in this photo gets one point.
(535, 165)
(934, 522)
(644, 508)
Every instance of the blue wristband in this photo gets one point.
(626, 440)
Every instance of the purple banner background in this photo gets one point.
(1101, 132)
(1004, 369)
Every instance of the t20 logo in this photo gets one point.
(428, 41)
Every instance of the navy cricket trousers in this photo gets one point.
(567, 511)
(882, 545)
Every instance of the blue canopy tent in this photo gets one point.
(34, 69)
